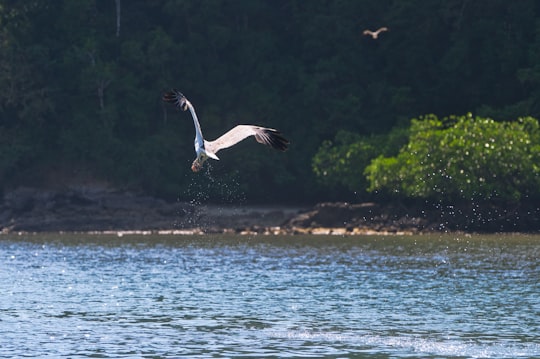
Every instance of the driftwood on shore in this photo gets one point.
(86, 210)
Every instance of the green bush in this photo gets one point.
(459, 158)
(341, 163)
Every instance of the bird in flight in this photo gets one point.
(375, 34)
(208, 149)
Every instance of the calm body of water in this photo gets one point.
(101, 296)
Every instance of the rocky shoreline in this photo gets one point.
(86, 209)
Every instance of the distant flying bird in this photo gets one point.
(205, 149)
(375, 34)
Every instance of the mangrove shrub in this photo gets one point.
(341, 163)
(463, 158)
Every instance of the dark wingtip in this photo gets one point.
(277, 141)
(176, 97)
(171, 96)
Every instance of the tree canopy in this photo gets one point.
(82, 80)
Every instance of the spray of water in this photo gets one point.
(207, 188)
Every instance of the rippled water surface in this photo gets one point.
(65, 295)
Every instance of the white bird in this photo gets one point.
(375, 34)
(205, 149)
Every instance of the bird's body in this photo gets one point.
(375, 34)
(208, 149)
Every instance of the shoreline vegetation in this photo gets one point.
(108, 211)
(447, 112)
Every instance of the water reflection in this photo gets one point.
(200, 296)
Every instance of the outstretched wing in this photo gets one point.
(266, 136)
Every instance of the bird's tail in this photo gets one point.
(176, 97)
(211, 155)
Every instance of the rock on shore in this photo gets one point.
(83, 209)
(419, 217)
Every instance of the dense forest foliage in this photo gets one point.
(81, 84)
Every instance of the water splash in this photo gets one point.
(207, 188)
